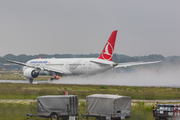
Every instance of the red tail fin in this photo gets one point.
(107, 52)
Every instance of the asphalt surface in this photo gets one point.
(91, 83)
(25, 81)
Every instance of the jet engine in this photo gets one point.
(30, 73)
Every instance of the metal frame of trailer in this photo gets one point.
(100, 106)
(106, 117)
(53, 116)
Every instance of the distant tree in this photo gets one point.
(118, 58)
(115, 59)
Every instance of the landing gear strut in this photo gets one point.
(54, 79)
(31, 81)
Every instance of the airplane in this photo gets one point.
(74, 66)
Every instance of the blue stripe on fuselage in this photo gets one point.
(34, 62)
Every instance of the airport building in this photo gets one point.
(10, 67)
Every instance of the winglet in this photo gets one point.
(107, 52)
(5, 59)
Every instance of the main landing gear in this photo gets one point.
(31, 81)
(55, 78)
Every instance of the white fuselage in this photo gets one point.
(73, 66)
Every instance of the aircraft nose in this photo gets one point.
(115, 64)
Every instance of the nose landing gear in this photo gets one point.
(31, 81)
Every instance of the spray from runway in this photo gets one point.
(167, 75)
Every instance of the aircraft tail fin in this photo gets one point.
(107, 52)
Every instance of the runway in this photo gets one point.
(164, 75)
(169, 77)
(25, 81)
(142, 82)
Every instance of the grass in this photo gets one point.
(15, 111)
(32, 91)
(140, 111)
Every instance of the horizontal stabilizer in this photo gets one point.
(134, 63)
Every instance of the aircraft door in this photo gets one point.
(67, 65)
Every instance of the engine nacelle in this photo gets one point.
(30, 73)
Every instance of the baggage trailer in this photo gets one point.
(105, 106)
(166, 111)
(56, 106)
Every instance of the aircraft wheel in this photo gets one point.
(52, 79)
(31, 81)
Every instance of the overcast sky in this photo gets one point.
(81, 27)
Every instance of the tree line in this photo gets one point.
(118, 58)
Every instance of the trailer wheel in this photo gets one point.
(54, 116)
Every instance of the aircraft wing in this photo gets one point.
(99, 63)
(19, 63)
(134, 63)
(37, 67)
(52, 69)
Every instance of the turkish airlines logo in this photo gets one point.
(108, 51)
